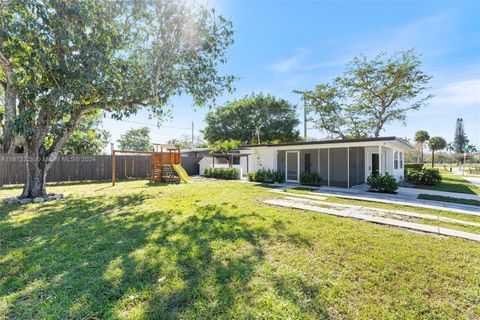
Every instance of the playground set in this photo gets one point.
(166, 165)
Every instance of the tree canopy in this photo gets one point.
(135, 140)
(60, 60)
(369, 95)
(460, 138)
(89, 138)
(257, 118)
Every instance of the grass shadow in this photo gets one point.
(90, 256)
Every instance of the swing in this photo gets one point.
(132, 171)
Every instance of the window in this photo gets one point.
(401, 160)
(395, 160)
(236, 160)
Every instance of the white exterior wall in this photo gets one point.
(262, 158)
(266, 157)
(202, 164)
(386, 159)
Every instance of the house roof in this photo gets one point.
(196, 150)
(335, 141)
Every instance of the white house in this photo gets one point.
(211, 162)
(341, 163)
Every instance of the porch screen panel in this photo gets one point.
(324, 165)
(361, 165)
(353, 166)
(281, 161)
(339, 167)
(357, 165)
(292, 166)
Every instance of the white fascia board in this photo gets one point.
(391, 143)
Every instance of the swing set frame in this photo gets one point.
(161, 154)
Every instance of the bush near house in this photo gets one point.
(428, 176)
(382, 183)
(412, 166)
(268, 176)
(222, 173)
(310, 179)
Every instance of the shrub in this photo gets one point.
(268, 176)
(382, 183)
(412, 166)
(423, 177)
(310, 179)
(222, 173)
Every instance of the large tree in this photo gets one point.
(62, 59)
(89, 138)
(460, 139)
(257, 118)
(369, 95)
(135, 140)
(421, 136)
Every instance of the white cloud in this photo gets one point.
(453, 95)
(291, 63)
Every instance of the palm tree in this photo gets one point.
(421, 137)
(436, 143)
(450, 147)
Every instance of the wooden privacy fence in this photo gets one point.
(86, 168)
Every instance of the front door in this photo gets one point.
(292, 166)
(375, 164)
(307, 162)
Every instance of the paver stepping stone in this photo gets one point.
(395, 212)
(352, 212)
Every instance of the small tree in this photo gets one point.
(225, 146)
(421, 137)
(436, 143)
(135, 140)
(185, 141)
(450, 147)
(89, 138)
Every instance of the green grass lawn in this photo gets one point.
(213, 250)
(453, 183)
(449, 199)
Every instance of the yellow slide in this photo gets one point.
(182, 173)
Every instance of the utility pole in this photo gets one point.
(192, 137)
(304, 118)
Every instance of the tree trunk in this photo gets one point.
(433, 158)
(421, 152)
(36, 176)
(39, 159)
(10, 113)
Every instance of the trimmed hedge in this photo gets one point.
(382, 183)
(268, 176)
(412, 166)
(222, 173)
(310, 179)
(428, 176)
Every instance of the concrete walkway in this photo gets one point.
(353, 213)
(406, 198)
(474, 180)
(415, 192)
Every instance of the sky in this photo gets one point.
(281, 46)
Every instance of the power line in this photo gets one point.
(454, 66)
